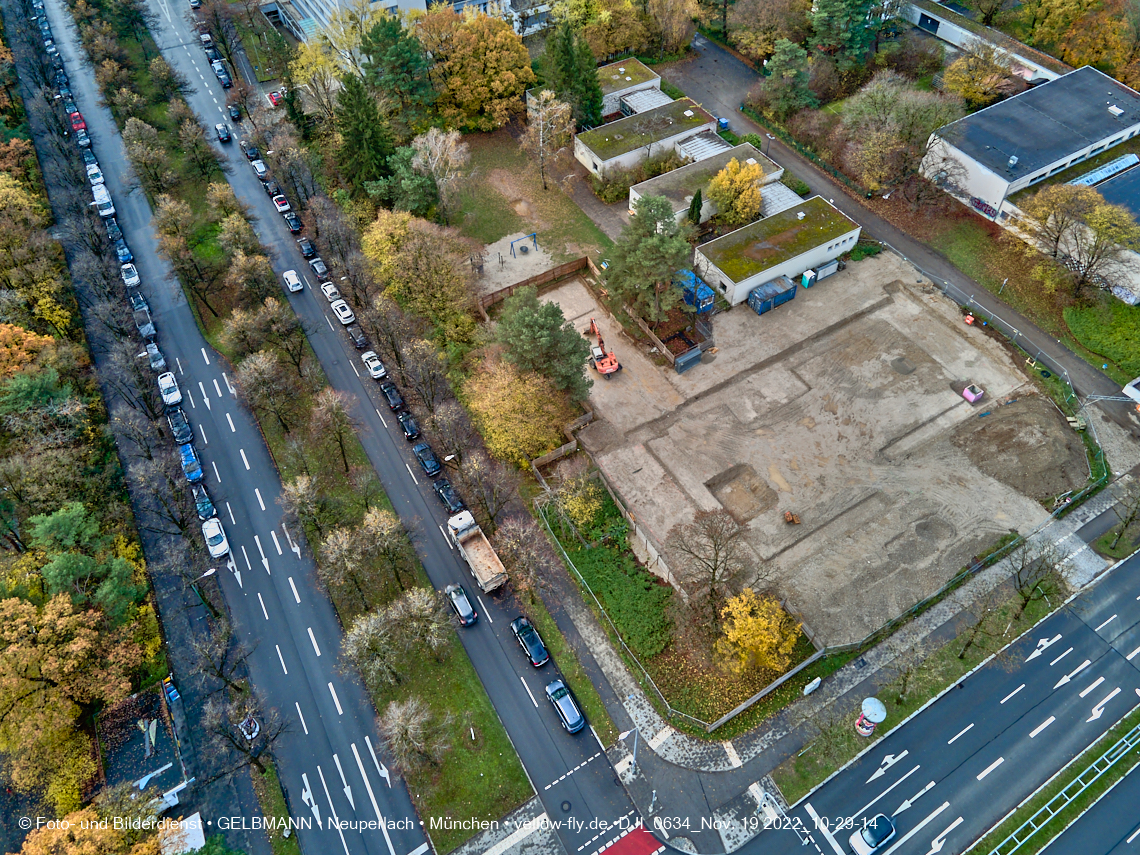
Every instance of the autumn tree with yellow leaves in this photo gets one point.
(757, 633)
(736, 191)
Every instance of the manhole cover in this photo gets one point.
(566, 807)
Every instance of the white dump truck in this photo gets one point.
(476, 550)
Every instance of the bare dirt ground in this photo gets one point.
(845, 407)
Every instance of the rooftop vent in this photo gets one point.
(689, 113)
(800, 215)
(751, 161)
(1013, 162)
(629, 78)
(621, 70)
(1116, 111)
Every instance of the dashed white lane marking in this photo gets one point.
(282, 658)
(243, 460)
(960, 733)
(190, 396)
(178, 362)
(327, 321)
(1042, 726)
(217, 477)
(257, 493)
(659, 740)
(1131, 655)
(823, 829)
(231, 423)
(532, 700)
(419, 850)
(1095, 683)
(733, 757)
(381, 415)
(276, 543)
(230, 511)
(296, 596)
(1062, 656)
(205, 356)
(217, 388)
(572, 771)
(301, 716)
(336, 700)
(446, 539)
(1014, 692)
(600, 833)
(410, 472)
(353, 364)
(263, 611)
(205, 441)
(1106, 623)
(245, 555)
(486, 614)
(313, 639)
(1136, 833)
(990, 768)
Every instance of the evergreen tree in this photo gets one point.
(365, 138)
(405, 189)
(846, 29)
(787, 82)
(537, 337)
(572, 74)
(652, 247)
(397, 65)
(695, 208)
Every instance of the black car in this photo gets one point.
(319, 269)
(223, 132)
(408, 426)
(308, 250)
(250, 150)
(114, 233)
(571, 717)
(69, 106)
(205, 507)
(392, 396)
(212, 55)
(225, 79)
(235, 112)
(462, 604)
(89, 157)
(179, 426)
(123, 252)
(529, 641)
(359, 341)
(292, 221)
(271, 188)
(427, 459)
(448, 496)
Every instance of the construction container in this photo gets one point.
(697, 293)
(764, 298)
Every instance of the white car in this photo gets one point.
(215, 538)
(168, 388)
(1132, 390)
(292, 281)
(281, 203)
(876, 833)
(376, 369)
(260, 168)
(330, 292)
(130, 275)
(343, 312)
(94, 174)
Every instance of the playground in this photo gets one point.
(512, 259)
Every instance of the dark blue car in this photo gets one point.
(191, 465)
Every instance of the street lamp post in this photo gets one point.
(635, 733)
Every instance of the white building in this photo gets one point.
(1024, 139)
(625, 143)
(680, 185)
(799, 238)
(619, 79)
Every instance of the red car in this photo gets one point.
(275, 98)
(77, 123)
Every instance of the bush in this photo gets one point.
(864, 249)
(795, 184)
(1110, 329)
(615, 186)
(671, 90)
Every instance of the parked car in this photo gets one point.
(89, 157)
(427, 459)
(376, 369)
(275, 98)
(448, 495)
(191, 465)
(873, 836)
(308, 250)
(271, 188)
(69, 105)
(212, 54)
(123, 252)
(343, 312)
(330, 291)
(234, 111)
(195, 4)
(154, 357)
(179, 425)
(356, 336)
(559, 695)
(293, 222)
(129, 274)
(168, 388)
(94, 175)
(219, 68)
(392, 396)
(281, 204)
(260, 169)
(215, 538)
(82, 139)
(249, 150)
(225, 79)
(320, 270)
(223, 132)
(202, 502)
(138, 302)
(292, 281)
(114, 233)
(462, 604)
(408, 426)
(77, 122)
(530, 641)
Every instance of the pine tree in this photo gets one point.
(845, 28)
(695, 208)
(652, 247)
(537, 337)
(366, 139)
(573, 74)
(397, 65)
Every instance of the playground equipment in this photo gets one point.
(604, 362)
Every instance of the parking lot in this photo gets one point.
(843, 406)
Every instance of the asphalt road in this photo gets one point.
(570, 773)
(951, 772)
(1110, 827)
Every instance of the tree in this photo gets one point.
(695, 207)
(405, 189)
(735, 191)
(237, 235)
(304, 501)
(488, 70)
(170, 82)
(671, 24)
(230, 723)
(978, 74)
(617, 27)
(397, 68)
(757, 633)
(425, 371)
(345, 31)
(81, 833)
(268, 387)
(147, 155)
(371, 646)
(421, 621)
(220, 200)
(414, 735)
(192, 139)
(1098, 248)
(519, 415)
(221, 655)
(1127, 510)
(786, 85)
(443, 156)
(652, 247)
(988, 10)
(1055, 211)
(537, 337)
(316, 70)
(489, 486)
(342, 554)
(436, 30)
(19, 348)
(430, 276)
(717, 11)
(844, 29)
(572, 76)
(756, 25)
(251, 277)
(386, 545)
(331, 419)
(365, 138)
(548, 131)
(526, 553)
(708, 557)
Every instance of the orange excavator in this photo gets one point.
(604, 361)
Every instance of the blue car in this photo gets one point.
(123, 252)
(191, 465)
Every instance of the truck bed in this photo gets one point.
(484, 561)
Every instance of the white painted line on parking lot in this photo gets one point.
(178, 362)
(336, 700)
(276, 543)
(960, 733)
(217, 477)
(202, 433)
(410, 472)
(282, 658)
(1042, 726)
(244, 555)
(1096, 683)
(263, 611)
(446, 539)
(381, 415)
(205, 356)
(532, 700)
(327, 321)
(296, 596)
(231, 423)
(486, 614)
(1014, 692)
(301, 716)
(353, 364)
(313, 639)
(243, 460)
(990, 768)
(217, 388)
(257, 493)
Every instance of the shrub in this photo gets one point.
(864, 249)
(796, 185)
(615, 186)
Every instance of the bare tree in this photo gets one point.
(221, 655)
(523, 547)
(444, 156)
(164, 501)
(453, 432)
(370, 645)
(550, 124)
(343, 561)
(413, 734)
(425, 373)
(709, 557)
(421, 620)
(489, 486)
(387, 545)
(127, 373)
(242, 731)
(1127, 510)
(305, 503)
(330, 418)
(390, 329)
(268, 386)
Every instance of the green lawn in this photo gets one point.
(1111, 329)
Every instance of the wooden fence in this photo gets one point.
(551, 275)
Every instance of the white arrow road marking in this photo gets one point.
(293, 546)
(372, 797)
(906, 805)
(332, 810)
(1042, 726)
(1095, 683)
(869, 804)
(1042, 645)
(1072, 674)
(888, 761)
(380, 767)
(929, 819)
(231, 423)
(821, 825)
(1099, 708)
(1106, 623)
(228, 386)
(233, 569)
(990, 768)
(960, 733)
(938, 842)
(301, 715)
(205, 397)
(347, 788)
(307, 795)
(276, 542)
(264, 560)
(1062, 656)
